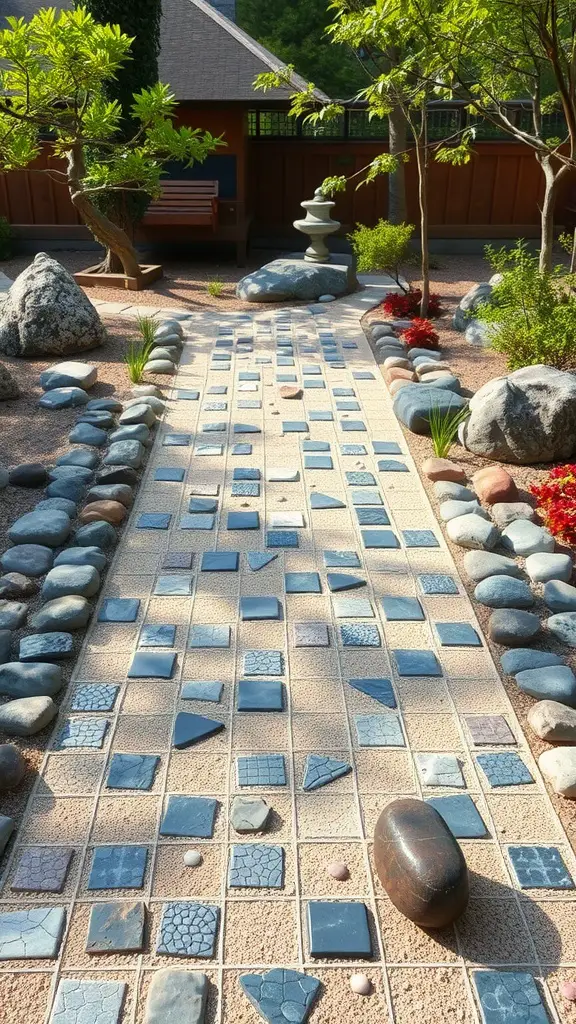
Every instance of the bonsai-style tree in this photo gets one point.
(54, 71)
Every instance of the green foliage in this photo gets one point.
(5, 239)
(384, 247)
(139, 351)
(335, 184)
(444, 425)
(215, 288)
(533, 312)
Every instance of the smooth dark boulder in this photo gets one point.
(99, 535)
(420, 864)
(29, 559)
(29, 474)
(35, 679)
(117, 475)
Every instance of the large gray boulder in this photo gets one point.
(294, 278)
(528, 416)
(474, 298)
(46, 313)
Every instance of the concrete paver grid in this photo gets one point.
(260, 928)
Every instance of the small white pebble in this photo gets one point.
(360, 984)
(192, 858)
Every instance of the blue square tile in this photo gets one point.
(217, 389)
(261, 770)
(95, 697)
(119, 609)
(243, 521)
(317, 385)
(315, 446)
(154, 635)
(321, 416)
(191, 816)
(118, 867)
(209, 636)
(318, 500)
(343, 392)
(400, 609)
(417, 663)
(350, 406)
(256, 866)
(245, 489)
(360, 479)
(461, 815)
(457, 634)
(352, 449)
(386, 448)
(263, 663)
(82, 732)
(352, 608)
(249, 375)
(540, 867)
(202, 505)
(509, 997)
(214, 428)
(372, 517)
(286, 378)
(392, 466)
(420, 539)
(153, 521)
(220, 561)
(380, 689)
(284, 361)
(176, 440)
(379, 539)
(506, 769)
(437, 583)
(209, 449)
(260, 695)
(246, 473)
(353, 425)
(197, 521)
(360, 634)
(246, 428)
(188, 930)
(366, 496)
(132, 771)
(341, 559)
(173, 586)
(363, 375)
(379, 731)
(215, 407)
(302, 583)
(282, 539)
(295, 427)
(338, 929)
(349, 344)
(170, 475)
(311, 369)
(148, 665)
(255, 608)
(318, 462)
(209, 690)
(188, 396)
(242, 449)
(258, 559)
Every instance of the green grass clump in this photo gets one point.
(215, 288)
(444, 425)
(139, 350)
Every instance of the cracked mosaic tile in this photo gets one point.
(440, 770)
(82, 732)
(261, 770)
(540, 867)
(457, 634)
(360, 634)
(215, 407)
(118, 867)
(420, 539)
(506, 769)
(257, 866)
(191, 728)
(243, 521)
(209, 690)
(169, 475)
(341, 559)
(358, 479)
(311, 634)
(402, 609)
(153, 521)
(119, 609)
(282, 539)
(188, 930)
(157, 636)
(220, 561)
(263, 663)
(380, 689)
(302, 583)
(148, 665)
(95, 697)
(372, 517)
(489, 730)
(197, 521)
(461, 815)
(507, 997)
(352, 608)
(379, 539)
(116, 928)
(209, 636)
(417, 663)
(190, 816)
(42, 869)
(379, 731)
(87, 1002)
(320, 770)
(35, 933)
(176, 440)
(437, 583)
(173, 586)
(132, 771)
(338, 929)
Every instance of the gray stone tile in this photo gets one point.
(209, 636)
(42, 869)
(132, 771)
(188, 930)
(116, 928)
(118, 867)
(257, 866)
(82, 732)
(95, 697)
(311, 634)
(263, 663)
(88, 1002)
(261, 770)
(540, 867)
(508, 997)
(35, 933)
(379, 731)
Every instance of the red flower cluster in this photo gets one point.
(420, 335)
(557, 502)
(404, 306)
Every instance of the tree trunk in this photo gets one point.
(552, 179)
(421, 139)
(111, 237)
(397, 127)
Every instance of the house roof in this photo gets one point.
(203, 55)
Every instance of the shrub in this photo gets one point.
(556, 498)
(384, 247)
(533, 312)
(215, 288)
(420, 335)
(139, 352)
(5, 239)
(444, 428)
(407, 305)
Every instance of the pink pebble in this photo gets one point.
(360, 984)
(568, 990)
(339, 870)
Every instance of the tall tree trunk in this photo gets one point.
(397, 128)
(421, 140)
(552, 178)
(110, 236)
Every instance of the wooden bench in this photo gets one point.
(184, 203)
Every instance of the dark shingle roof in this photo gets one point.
(203, 56)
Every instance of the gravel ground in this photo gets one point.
(474, 367)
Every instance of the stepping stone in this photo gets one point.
(513, 628)
(452, 508)
(117, 475)
(525, 538)
(64, 398)
(191, 816)
(461, 815)
(67, 488)
(20, 680)
(506, 512)
(320, 770)
(543, 567)
(69, 374)
(249, 815)
(29, 474)
(137, 432)
(7, 826)
(504, 592)
(164, 366)
(506, 996)
(111, 405)
(281, 995)
(48, 529)
(118, 867)
(32, 934)
(504, 770)
(188, 930)
(176, 993)
(440, 770)
(558, 766)
(563, 627)
(42, 869)
(559, 597)
(97, 417)
(138, 414)
(325, 501)
(112, 492)
(64, 613)
(82, 556)
(113, 512)
(338, 929)
(557, 682)
(29, 559)
(132, 771)
(553, 722)
(125, 453)
(479, 565)
(190, 729)
(339, 581)
(525, 657)
(256, 865)
(258, 559)
(27, 716)
(59, 505)
(472, 531)
(402, 609)
(261, 770)
(101, 1000)
(46, 647)
(116, 928)
(65, 580)
(380, 689)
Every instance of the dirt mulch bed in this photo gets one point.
(474, 367)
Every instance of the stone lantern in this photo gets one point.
(317, 224)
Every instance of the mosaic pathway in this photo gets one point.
(282, 620)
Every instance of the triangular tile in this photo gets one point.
(380, 689)
(344, 581)
(189, 729)
(280, 990)
(325, 501)
(258, 559)
(321, 770)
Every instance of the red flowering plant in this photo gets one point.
(556, 499)
(420, 335)
(405, 305)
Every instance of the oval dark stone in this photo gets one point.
(420, 864)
